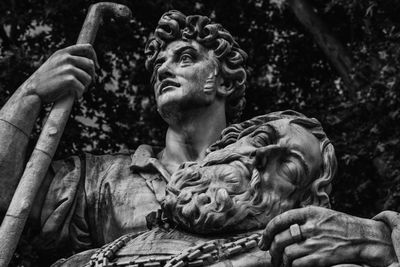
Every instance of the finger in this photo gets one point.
(309, 260)
(71, 86)
(71, 72)
(83, 63)
(294, 252)
(285, 248)
(327, 258)
(83, 50)
(84, 78)
(75, 86)
(278, 244)
(282, 222)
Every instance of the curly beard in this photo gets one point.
(237, 203)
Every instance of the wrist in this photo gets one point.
(378, 249)
(22, 109)
(27, 93)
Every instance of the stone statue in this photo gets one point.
(198, 76)
(256, 170)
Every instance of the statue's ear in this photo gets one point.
(224, 88)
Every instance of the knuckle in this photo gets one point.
(68, 68)
(273, 249)
(59, 52)
(65, 57)
(309, 209)
(89, 78)
(91, 65)
(309, 229)
(297, 263)
(277, 240)
(273, 223)
(71, 80)
(287, 252)
(90, 48)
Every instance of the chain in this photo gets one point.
(107, 252)
(202, 254)
(241, 245)
(209, 252)
(199, 255)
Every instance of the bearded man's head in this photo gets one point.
(257, 170)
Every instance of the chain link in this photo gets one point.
(202, 254)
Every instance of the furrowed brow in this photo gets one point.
(177, 52)
(184, 48)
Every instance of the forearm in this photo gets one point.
(67, 72)
(392, 221)
(17, 119)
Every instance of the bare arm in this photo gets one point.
(17, 118)
(68, 71)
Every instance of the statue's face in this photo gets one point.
(280, 149)
(185, 76)
(247, 183)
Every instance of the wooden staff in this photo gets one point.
(39, 162)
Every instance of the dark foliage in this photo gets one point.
(287, 70)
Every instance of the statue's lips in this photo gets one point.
(167, 85)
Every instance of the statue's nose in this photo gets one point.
(204, 199)
(164, 71)
(223, 200)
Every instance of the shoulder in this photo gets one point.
(89, 161)
(107, 159)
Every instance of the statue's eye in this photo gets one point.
(186, 58)
(232, 179)
(261, 139)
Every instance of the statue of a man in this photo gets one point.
(198, 78)
(257, 169)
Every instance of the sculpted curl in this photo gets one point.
(174, 25)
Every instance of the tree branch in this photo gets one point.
(333, 49)
(7, 42)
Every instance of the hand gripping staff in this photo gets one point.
(39, 162)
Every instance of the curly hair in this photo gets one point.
(174, 25)
(318, 191)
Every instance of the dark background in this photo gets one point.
(288, 69)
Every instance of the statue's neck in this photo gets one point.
(189, 138)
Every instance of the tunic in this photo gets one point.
(92, 200)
